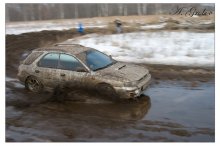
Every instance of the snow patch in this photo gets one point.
(155, 26)
(164, 47)
(25, 27)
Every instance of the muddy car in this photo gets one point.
(83, 67)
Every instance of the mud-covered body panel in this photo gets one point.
(125, 71)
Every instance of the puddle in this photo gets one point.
(172, 111)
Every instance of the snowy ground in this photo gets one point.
(25, 27)
(164, 47)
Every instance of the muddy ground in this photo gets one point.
(178, 106)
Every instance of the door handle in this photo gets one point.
(37, 71)
(62, 74)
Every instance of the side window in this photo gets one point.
(50, 60)
(68, 62)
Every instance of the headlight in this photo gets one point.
(130, 84)
(137, 91)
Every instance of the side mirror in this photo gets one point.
(81, 69)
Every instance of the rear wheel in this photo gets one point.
(33, 84)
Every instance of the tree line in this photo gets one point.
(46, 11)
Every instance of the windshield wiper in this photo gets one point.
(105, 66)
(121, 67)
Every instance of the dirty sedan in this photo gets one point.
(83, 67)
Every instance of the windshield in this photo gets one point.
(96, 60)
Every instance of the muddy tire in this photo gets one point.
(107, 92)
(33, 84)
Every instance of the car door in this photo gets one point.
(72, 71)
(46, 69)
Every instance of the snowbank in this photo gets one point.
(25, 27)
(155, 26)
(165, 47)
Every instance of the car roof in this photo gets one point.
(67, 48)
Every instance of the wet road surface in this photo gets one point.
(169, 111)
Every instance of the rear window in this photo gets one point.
(32, 57)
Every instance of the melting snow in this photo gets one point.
(164, 47)
(155, 26)
(25, 27)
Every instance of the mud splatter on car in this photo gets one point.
(79, 66)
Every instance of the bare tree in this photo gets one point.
(139, 9)
(61, 10)
(76, 15)
(144, 8)
(105, 7)
(7, 15)
(120, 7)
(99, 10)
(125, 10)
(39, 8)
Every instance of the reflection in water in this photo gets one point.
(132, 110)
(78, 103)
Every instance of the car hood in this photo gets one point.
(125, 71)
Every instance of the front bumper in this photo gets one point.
(132, 92)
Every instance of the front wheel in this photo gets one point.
(107, 91)
(33, 84)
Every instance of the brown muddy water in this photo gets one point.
(169, 111)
